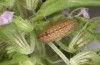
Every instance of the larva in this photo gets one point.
(57, 31)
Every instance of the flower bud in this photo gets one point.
(6, 18)
(15, 40)
(86, 58)
(31, 4)
(81, 39)
(84, 12)
(23, 24)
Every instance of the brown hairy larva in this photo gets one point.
(58, 30)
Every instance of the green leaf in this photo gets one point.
(7, 3)
(52, 6)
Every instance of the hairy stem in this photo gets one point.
(65, 59)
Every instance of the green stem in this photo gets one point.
(32, 41)
(34, 19)
(64, 47)
(39, 48)
(65, 59)
(19, 8)
(71, 14)
(53, 62)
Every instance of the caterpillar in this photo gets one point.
(58, 30)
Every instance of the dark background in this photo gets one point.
(94, 11)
